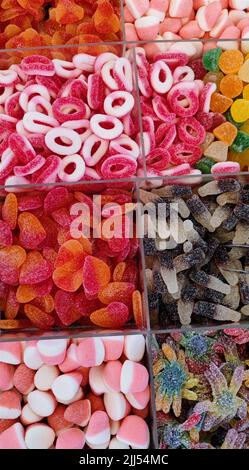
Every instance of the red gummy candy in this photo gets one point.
(68, 273)
(35, 269)
(117, 292)
(6, 238)
(55, 199)
(11, 258)
(65, 308)
(10, 210)
(115, 315)
(32, 232)
(96, 275)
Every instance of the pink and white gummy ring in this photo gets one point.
(7, 77)
(124, 145)
(106, 127)
(38, 65)
(161, 77)
(30, 91)
(62, 132)
(125, 103)
(94, 149)
(69, 109)
(38, 122)
(78, 171)
(84, 62)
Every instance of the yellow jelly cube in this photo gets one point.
(240, 110)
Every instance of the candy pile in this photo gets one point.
(186, 19)
(58, 22)
(229, 70)
(206, 405)
(197, 267)
(67, 121)
(48, 278)
(183, 114)
(91, 392)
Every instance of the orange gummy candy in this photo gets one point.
(231, 86)
(96, 275)
(117, 292)
(105, 20)
(39, 318)
(115, 315)
(220, 103)
(11, 259)
(138, 308)
(12, 305)
(231, 61)
(69, 262)
(226, 132)
(119, 271)
(32, 233)
(45, 303)
(68, 11)
(10, 210)
(13, 325)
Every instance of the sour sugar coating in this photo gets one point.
(199, 363)
(203, 277)
(47, 407)
(69, 127)
(60, 23)
(52, 275)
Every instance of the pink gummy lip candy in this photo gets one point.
(74, 394)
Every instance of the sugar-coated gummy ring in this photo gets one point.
(158, 159)
(107, 75)
(8, 77)
(32, 90)
(94, 149)
(65, 69)
(181, 92)
(183, 73)
(102, 59)
(30, 124)
(48, 173)
(68, 109)
(118, 166)
(12, 107)
(38, 102)
(7, 92)
(184, 153)
(31, 167)
(191, 131)
(119, 110)
(38, 65)
(173, 59)
(82, 126)
(161, 78)
(62, 132)
(106, 127)
(84, 62)
(225, 167)
(79, 168)
(7, 164)
(123, 74)
(124, 145)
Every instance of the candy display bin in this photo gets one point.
(189, 415)
(188, 288)
(68, 222)
(80, 361)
